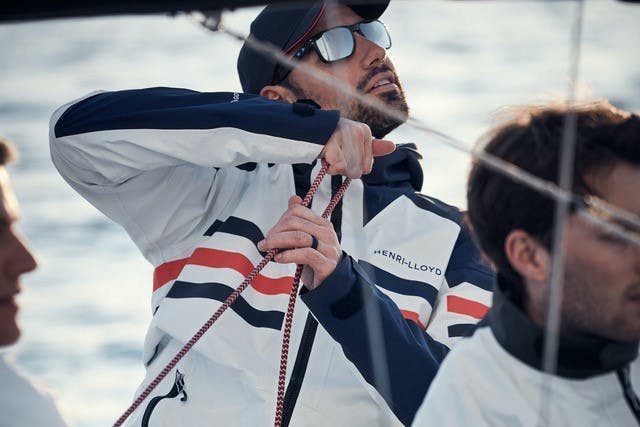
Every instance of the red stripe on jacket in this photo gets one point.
(215, 258)
(412, 315)
(466, 306)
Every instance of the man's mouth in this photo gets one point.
(382, 83)
(377, 80)
(381, 86)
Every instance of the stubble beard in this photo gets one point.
(380, 122)
(584, 314)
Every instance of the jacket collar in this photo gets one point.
(398, 169)
(578, 357)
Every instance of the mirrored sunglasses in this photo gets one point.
(339, 43)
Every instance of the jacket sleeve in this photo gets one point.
(393, 354)
(465, 294)
(109, 137)
(149, 159)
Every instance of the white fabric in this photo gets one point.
(480, 384)
(23, 402)
(166, 188)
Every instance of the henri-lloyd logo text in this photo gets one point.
(409, 264)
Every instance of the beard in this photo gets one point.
(378, 121)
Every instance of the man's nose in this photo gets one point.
(372, 53)
(22, 260)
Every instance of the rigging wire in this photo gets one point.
(594, 209)
(565, 181)
(495, 163)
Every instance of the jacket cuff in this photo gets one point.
(319, 124)
(333, 292)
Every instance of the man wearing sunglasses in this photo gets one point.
(337, 42)
(200, 182)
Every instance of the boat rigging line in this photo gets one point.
(565, 182)
(591, 208)
(233, 296)
(554, 191)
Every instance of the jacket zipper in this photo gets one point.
(627, 389)
(178, 387)
(308, 335)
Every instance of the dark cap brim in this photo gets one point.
(365, 9)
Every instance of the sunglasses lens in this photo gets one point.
(335, 44)
(376, 32)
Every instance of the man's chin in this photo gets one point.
(380, 131)
(396, 101)
(401, 115)
(9, 334)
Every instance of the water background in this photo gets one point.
(86, 309)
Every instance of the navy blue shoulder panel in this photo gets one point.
(467, 264)
(376, 198)
(438, 207)
(170, 108)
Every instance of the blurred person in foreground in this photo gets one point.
(496, 377)
(200, 182)
(22, 402)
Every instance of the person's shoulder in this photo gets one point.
(14, 379)
(463, 375)
(438, 207)
(476, 346)
(22, 395)
(471, 365)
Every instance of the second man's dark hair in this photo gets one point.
(531, 139)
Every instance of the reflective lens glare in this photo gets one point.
(376, 32)
(339, 42)
(335, 44)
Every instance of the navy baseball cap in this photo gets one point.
(287, 26)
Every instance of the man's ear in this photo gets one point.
(278, 93)
(528, 256)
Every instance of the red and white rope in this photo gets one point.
(231, 298)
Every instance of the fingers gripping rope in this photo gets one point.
(234, 295)
(286, 336)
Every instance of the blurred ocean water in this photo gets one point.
(86, 309)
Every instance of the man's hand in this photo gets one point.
(294, 235)
(351, 149)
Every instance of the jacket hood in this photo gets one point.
(398, 169)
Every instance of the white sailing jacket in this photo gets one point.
(596, 384)
(197, 179)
